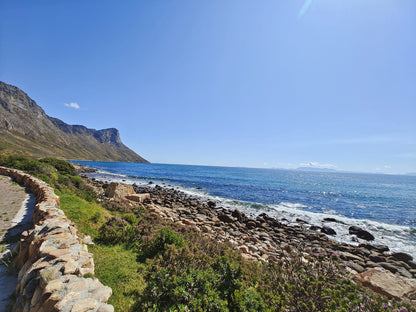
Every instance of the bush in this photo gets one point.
(62, 166)
(117, 231)
(159, 242)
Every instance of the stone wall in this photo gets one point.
(53, 263)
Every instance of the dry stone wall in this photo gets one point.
(52, 260)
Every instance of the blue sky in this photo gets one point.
(274, 83)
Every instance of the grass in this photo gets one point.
(116, 266)
(87, 216)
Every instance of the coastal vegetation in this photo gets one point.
(153, 264)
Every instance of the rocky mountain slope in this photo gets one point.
(26, 129)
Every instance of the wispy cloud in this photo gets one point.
(315, 164)
(72, 105)
(304, 8)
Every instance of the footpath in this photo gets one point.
(16, 208)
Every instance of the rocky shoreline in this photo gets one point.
(269, 239)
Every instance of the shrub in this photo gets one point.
(62, 166)
(159, 242)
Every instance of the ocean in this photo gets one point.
(384, 205)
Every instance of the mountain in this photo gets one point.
(316, 169)
(26, 129)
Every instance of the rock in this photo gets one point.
(238, 215)
(403, 272)
(105, 308)
(360, 233)
(211, 204)
(377, 258)
(355, 266)
(388, 266)
(327, 230)
(226, 218)
(386, 283)
(401, 256)
(330, 220)
(78, 285)
(84, 305)
(59, 253)
(251, 224)
(102, 294)
(87, 240)
(48, 274)
(138, 197)
(379, 248)
(53, 286)
(349, 256)
(118, 190)
(315, 228)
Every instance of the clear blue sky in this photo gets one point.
(279, 83)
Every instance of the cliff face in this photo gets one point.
(26, 129)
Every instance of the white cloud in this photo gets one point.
(387, 166)
(315, 164)
(72, 105)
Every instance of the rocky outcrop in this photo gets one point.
(386, 283)
(25, 128)
(55, 268)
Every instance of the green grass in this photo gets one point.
(87, 216)
(116, 267)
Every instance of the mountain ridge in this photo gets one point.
(26, 129)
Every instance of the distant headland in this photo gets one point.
(26, 129)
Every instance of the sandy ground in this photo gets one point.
(16, 206)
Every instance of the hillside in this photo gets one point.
(26, 129)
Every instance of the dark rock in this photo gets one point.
(403, 272)
(330, 220)
(327, 230)
(388, 266)
(211, 204)
(238, 214)
(379, 248)
(354, 239)
(412, 264)
(355, 266)
(226, 218)
(376, 258)
(251, 224)
(401, 256)
(301, 221)
(315, 228)
(363, 234)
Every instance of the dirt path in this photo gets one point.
(16, 207)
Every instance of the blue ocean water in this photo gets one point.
(385, 204)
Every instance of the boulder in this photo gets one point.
(386, 283)
(138, 197)
(315, 228)
(118, 190)
(226, 218)
(328, 230)
(401, 256)
(330, 220)
(360, 233)
(238, 215)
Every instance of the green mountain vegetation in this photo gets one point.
(26, 129)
